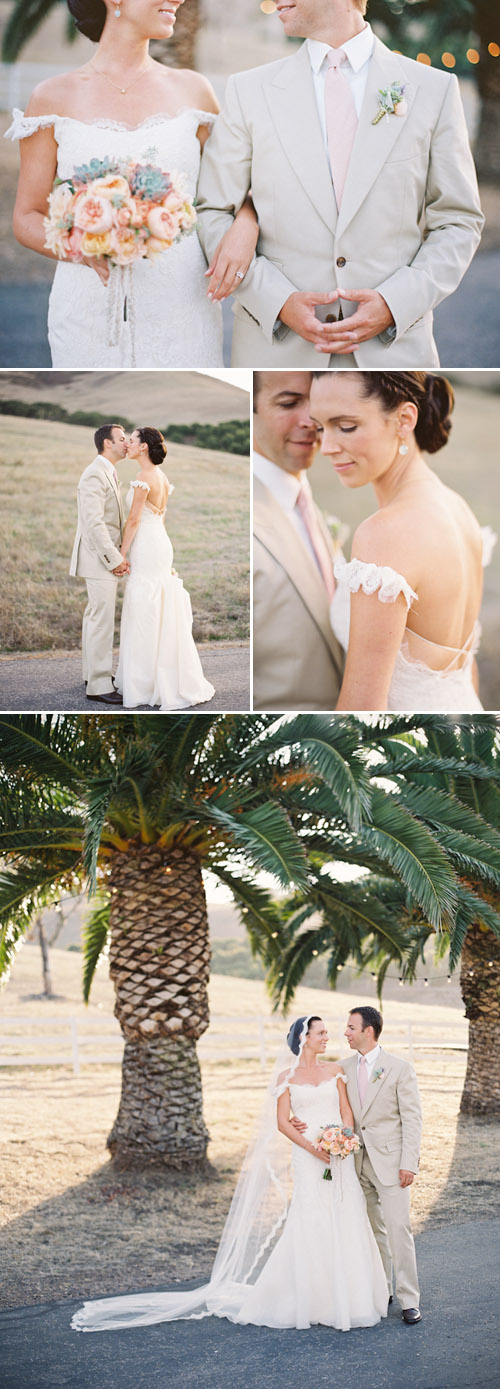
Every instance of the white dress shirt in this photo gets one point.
(285, 488)
(359, 51)
(370, 1058)
(109, 465)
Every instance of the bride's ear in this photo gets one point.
(407, 418)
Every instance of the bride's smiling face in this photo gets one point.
(150, 19)
(359, 437)
(317, 1037)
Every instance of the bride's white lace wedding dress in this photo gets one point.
(426, 677)
(158, 662)
(325, 1267)
(170, 322)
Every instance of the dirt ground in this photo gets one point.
(71, 1224)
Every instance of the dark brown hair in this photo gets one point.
(89, 16)
(370, 1017)
(432, 395)
(105, 431)
(157, 447)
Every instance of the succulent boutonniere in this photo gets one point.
(392, 102)
(377, 1075)
(339, 532)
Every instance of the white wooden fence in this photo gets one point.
(76, 1043)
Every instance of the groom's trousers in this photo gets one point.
(98, 631)
(389, 1214)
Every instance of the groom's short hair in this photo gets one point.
(370, 1018)
(105, 431)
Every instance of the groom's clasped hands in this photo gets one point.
(339, 335)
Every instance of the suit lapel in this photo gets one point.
(110, 477)
(375, 1086)
(273, 529)
(292, 105)
(373, 143)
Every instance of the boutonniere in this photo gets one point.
(392, 102)
(377, 1075)
(339, 532)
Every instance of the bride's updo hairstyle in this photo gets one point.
(432, 395)
(295, 1033)
(157, 447)
(89, 17)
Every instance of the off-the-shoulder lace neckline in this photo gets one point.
(105, 123)
(309, 1084)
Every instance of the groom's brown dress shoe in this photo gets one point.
(411, 1316)
(111, 697)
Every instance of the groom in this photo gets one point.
(97, 559)
(365, 223)
(383, 1095)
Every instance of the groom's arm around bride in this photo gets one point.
(399, 229)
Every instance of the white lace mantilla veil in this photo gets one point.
(254, 1223)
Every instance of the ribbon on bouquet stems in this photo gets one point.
(121, 305)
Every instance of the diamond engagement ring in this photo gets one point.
(239, 274)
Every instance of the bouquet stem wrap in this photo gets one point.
(121, 305)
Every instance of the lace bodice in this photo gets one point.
(417, 684)
(174, 323)
(317, 1105)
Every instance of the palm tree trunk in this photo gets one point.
(480, 981)
(159, 963)
(180, 50)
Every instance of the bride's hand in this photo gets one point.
(234, 254)
(100, 264)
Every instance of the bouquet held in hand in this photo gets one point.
(337, 1141)
(121, 210)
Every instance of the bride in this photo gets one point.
(158, 662)
(282, 1263)
(120, 105)
(406, 607)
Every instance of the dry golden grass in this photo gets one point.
(74, 1225)
(469, 464)
(208, 521)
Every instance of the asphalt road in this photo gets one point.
(53, 681)
(456, 1346)
(467, 325)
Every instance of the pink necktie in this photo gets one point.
(341, 119)
(115, 474)
(305, 506)
(362, 1078)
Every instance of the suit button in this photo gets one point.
(363, 1126)
(341, 261)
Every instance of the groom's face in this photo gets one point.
(117, 444)
(283, 430)
(306, 19)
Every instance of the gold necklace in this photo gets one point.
(123, 90)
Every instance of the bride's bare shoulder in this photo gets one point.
(283, 1075)
(51, 96)
(193, 89)
(387, 540)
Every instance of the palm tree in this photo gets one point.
(26, 17)
(139, 805)
(444, 780)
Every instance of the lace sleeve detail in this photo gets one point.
(490, 539)
(341, 1076)
(26, 125)
(206, 118)
(170, 487)
(144, 485)
(374, 578)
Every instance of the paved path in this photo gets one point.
(456, 1345)
(467, 326)
(53, 681)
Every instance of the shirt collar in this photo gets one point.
(358, 49)
(107, 464)
(285, 487)
(371, 1056)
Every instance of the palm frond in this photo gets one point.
(415, 855)
(265, 836)
(96, 934)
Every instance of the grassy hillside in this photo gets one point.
(208, 522)
(151, 397)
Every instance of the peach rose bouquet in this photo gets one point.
(337, 1141)
(123, 211)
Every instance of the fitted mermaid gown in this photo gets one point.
(325, 1268)
(426, 677)
(158, 663)
(172, 322)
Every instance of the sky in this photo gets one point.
(237, 376)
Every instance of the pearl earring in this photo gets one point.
(117, 12)
(403, 448)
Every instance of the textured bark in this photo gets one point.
(480, 981)
(180, 50)
(160, 1119)
(159, 964)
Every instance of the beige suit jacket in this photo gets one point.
(389, 1122)
(100, 523)
(297, 661)
(410, 219)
